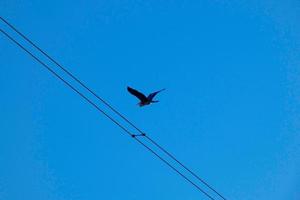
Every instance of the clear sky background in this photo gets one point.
(230, 112)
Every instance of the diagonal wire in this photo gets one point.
(112, 108)
(64, 81)
(184, 166)
(108, 116)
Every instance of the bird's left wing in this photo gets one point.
(136, 93)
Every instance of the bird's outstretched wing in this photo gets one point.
(152, 95)
(136, 93)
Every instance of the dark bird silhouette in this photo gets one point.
(143, 99)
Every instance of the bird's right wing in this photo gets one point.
(136, 93)
(152, 95)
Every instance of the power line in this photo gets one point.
(64, 81)
(105, 114)
(112, 108)
(180, 163)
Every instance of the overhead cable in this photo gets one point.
(105, 114)
(112, 108)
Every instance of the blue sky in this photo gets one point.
(230, 112)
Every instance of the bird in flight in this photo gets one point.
(143, 99)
